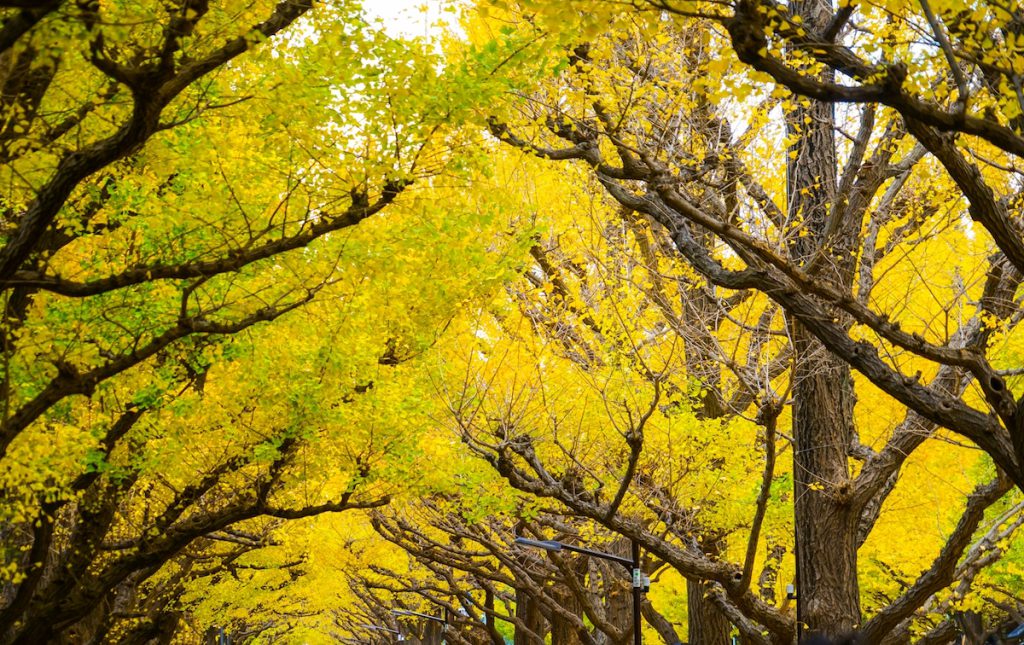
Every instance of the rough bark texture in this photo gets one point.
(432, 634)
(823, 398)
(529, 612)
(564, 632)
(826, 527)
(707, 625)
(619, 610)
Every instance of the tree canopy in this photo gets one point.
(305, 321)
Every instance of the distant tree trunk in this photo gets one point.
(706, 625)
(618, 609)
(562, 631)
(432, 634)
(529, 612)
(492, 629)
(825, 523)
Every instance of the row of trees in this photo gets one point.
(202, 335)
(782, 287)
(738, 282)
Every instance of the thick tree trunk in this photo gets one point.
(529, 612)
(562, 631)
(618, 609)
(432, 634)
(825, 525)
(706, 625)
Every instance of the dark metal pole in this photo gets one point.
(798, 592)
(638, 580)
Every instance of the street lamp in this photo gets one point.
(640, 583)
(406, 612)
(380, 628)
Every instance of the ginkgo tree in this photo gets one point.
(176, 176)
(846, 236)
(743, 197)
(262, 262)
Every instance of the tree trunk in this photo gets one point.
(706, 625)
(618, 608)
(432, 634)
(492, 629)
(529, 612)
(562, 631)
(825, 525)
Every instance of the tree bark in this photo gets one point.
(705, 622)
(529, 612)
(828, 598)
(562, 631)
(706, 625)
(826, 526)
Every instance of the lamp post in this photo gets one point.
(381, 628)
(405, 612)
(632, 565)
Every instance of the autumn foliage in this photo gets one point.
(306, 320)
